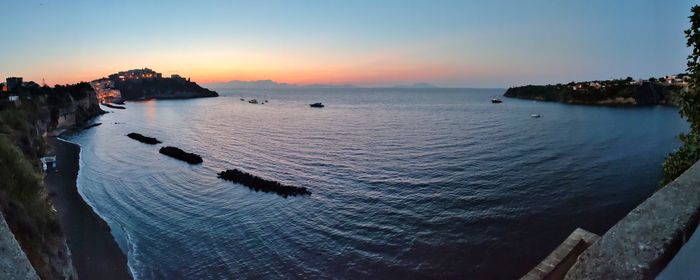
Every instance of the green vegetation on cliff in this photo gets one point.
(680, 160)
(621, 92)
(27, 209)
(24, 201)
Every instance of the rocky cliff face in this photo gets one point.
(24, 201)
(618, 95)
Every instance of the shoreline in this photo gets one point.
(94, 252)
(601, 105)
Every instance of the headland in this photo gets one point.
(619, 92)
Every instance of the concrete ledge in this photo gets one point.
(641, 244)
(563, 257)
(13, 262)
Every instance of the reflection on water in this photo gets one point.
(149, 110)
(406, 183)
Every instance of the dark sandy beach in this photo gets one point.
(95, 253)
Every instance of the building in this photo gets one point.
(136, 74)
(30, 84)
(104, 90)
(13, 83)
(48, 163)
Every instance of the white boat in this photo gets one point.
(536, 116)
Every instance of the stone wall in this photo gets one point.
(641, 244)
(13, 262)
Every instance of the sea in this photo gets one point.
(406, 183)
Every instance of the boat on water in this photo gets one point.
(536, 116)
(317, 105)
(253, 101)
(242, 99)
(496, 100)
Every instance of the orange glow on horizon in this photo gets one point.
(301, 77)
(388, 66)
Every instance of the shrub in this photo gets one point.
(683, 158)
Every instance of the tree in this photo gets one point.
(680, 160)
(629, 79)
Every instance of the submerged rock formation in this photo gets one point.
(143, 139)
(181, 155)
(259, 184)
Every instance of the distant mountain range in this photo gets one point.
(270, 84)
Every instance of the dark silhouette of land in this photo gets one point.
(605, 93)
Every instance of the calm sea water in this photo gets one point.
(406, 183)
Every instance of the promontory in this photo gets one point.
(616, 92)
(143, 84)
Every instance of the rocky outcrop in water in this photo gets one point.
(259, 184)
(181, 155)
(143, 139)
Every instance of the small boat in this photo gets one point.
(253, 101)
(536, 116)
(317, 105)
(496, 100)
(242, 99)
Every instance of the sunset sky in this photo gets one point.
(370, 43)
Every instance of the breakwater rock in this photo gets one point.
(143, 139)
(181, 155)
(259, 184)
(113, 106)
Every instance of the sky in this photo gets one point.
(498, 43)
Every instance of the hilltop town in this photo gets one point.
(141, 84)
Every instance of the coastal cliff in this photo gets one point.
(610, 94)
(25, 203)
